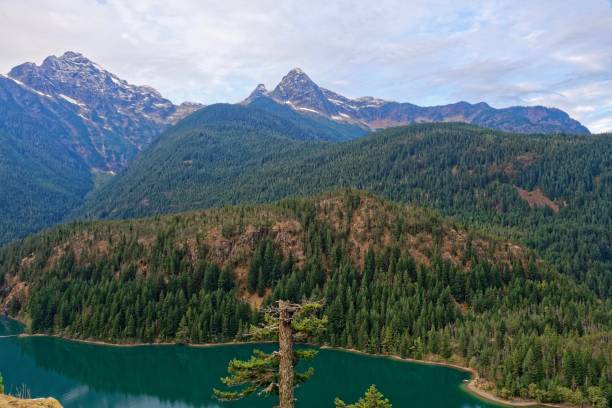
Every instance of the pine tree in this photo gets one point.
(372, 399)
(275, 373)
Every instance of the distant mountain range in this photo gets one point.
(67, 125)
(297, 90)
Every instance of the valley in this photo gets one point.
(457, 234)
(395, 279)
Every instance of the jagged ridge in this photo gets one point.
(109, 107)
(297, 90)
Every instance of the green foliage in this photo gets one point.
(515, 330)
(306, 324)
(261, 374)
(372, 399)
(258, 373)
(463, 171)
(1, 384)
(597, 398)
(267, 266)
(41, 182)
(531, 330)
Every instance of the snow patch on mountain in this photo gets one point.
(71, 100)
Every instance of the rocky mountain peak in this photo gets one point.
(296, 71)
(261, 88)
(298, 90)
(74, 75)
(72, 55)
(295, 80)
(69, 57)
(259, 91)
(94, 89)
(111, 108)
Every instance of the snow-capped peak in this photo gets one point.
(297, 87)
(104, 101)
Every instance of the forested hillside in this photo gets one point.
(395, 279)
(41, 182)
(47, 170)
(215, 146)
(325, 128)
(42, 177)
(550, 192)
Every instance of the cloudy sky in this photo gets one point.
(537, 52)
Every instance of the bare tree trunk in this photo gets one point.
(285, 342)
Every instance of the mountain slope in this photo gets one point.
(186, 166)
(121, 118)
(42, 175)
(62, 125)
(553, 192)
(297, 90)
(394, 279)
(321, 127)
(44, 188)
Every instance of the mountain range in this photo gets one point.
(68, 125)
(297, 90)
(178, 222)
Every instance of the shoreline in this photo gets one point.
(469, 387)
(139, 344)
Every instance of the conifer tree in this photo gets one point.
(372, 399)
(275, 373)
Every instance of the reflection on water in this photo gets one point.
(9, 327)
(85, 375)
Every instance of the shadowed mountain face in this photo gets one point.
(297, 90)
(120, 119)
(62, 124)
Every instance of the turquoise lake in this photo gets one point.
(95, 376)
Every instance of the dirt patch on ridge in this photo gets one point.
(537, 199)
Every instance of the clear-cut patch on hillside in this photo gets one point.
(536, 199)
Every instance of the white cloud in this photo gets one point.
(548, 52)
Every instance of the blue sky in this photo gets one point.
(546, 52)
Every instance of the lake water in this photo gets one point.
(93, 376)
